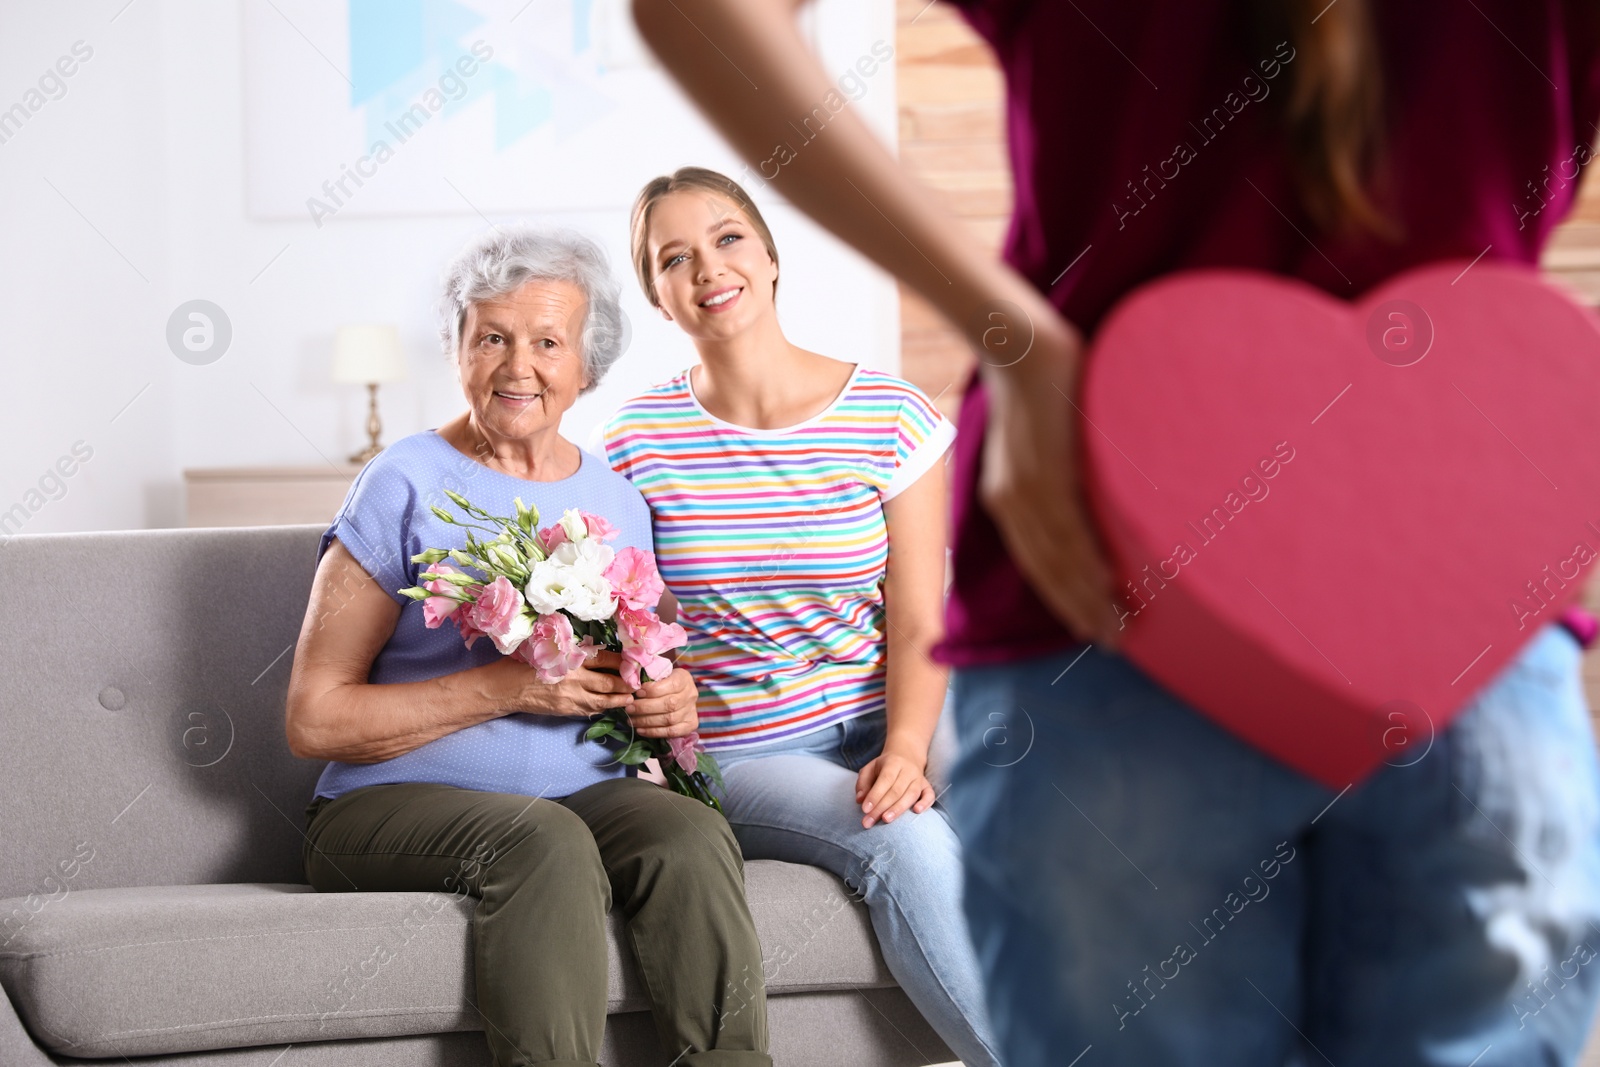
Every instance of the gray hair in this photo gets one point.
(503, 260)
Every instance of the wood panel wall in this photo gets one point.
(951, 99)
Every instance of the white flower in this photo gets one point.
(520, 630)
(573, 578)
(590, 597)
(572, 522)
(589, 554)
(548, 587)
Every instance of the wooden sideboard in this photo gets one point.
(265, 496)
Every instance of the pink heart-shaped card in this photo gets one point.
(1332, 523)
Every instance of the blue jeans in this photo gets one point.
(794, 800)
(1143, 883)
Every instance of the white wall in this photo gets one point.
(82, 294)
(147, 143)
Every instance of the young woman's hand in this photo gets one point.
(890, 785)
(1031, 485)
(666, 708)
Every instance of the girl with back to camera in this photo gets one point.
(1444, 913)
(798, 510)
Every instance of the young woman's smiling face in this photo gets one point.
(713, 276)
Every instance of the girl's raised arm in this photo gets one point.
(746, 65)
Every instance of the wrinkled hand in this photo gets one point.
(666, 708)
(585, 691)
(891, 785)
(1030, 485)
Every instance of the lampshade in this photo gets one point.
(363, 354)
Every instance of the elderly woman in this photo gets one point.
(456, 770)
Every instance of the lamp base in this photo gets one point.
(374, 427)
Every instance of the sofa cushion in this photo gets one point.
(127, 972)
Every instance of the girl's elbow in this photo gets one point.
(647, 19)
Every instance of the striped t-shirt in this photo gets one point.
(774, 543)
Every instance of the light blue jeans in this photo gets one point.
(1145, 889)
(794, 800)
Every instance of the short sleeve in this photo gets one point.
(922, 436)
(374, 524)
(993, 20)
(595, 443)
(1583, 61)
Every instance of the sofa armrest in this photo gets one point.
(16, 1047)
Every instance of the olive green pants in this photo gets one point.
(545, 873)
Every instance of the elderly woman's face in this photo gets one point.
(520, 361)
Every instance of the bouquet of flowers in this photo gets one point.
(550, 597)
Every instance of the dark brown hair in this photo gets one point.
(681, 179)
(1334, 111)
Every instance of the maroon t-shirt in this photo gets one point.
(1145, 139)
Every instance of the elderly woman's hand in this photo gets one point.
(587, 690)
(666, 708)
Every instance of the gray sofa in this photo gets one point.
(152, 818)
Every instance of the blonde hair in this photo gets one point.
(682, 179)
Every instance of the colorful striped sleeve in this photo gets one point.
(922, 437)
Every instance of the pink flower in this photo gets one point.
(553, 649)
(634, 579)
(552, 536)
(598, 526)
(440, 606)
(685, 751)
(469, 632)
(497, 612)
(644, 638)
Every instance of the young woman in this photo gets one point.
(798, 509)
(1436, 915)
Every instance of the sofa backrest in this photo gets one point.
(142, 683)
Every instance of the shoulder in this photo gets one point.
(375, 522)
(611, 495)
(883, 384)
(878, 394)
(642, 418)
(410, 460)
(664, 398)
(394, 478)
(598, 476)
(910, 433)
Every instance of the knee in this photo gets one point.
(920, 846)
(547, 836)
(693, 838)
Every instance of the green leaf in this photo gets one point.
(635, 754)
(600, 729)
(706, 764)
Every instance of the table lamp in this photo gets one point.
(368, 355)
